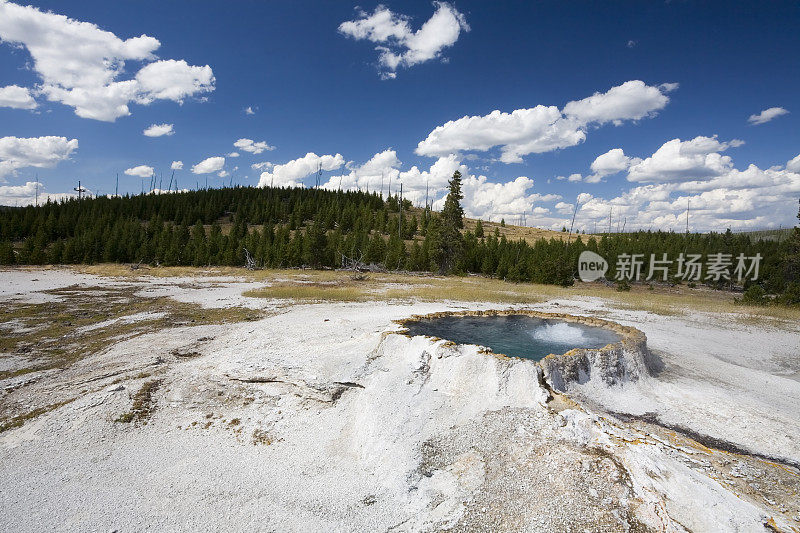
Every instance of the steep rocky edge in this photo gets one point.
(624, 361)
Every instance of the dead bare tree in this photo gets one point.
(355, 266)
(249, 262)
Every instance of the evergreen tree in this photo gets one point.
(793, 257)
(7, 253)
(479, 229)
(376, 251)
(449, 241)
(791, 293)
(315, 246)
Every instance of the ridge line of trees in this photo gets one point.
(292, 227)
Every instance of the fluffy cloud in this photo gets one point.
(39, 152)
(16, 97)
(176, 165)
(695, 174)
(398, 44)
(234, 154)
(289, 174)
(609, 163)
(142, 171)
(21, 195)
(678, 160)
(209, 165)
(173, 80)
(767, 115)
(494, 201)
(379, 170)
(794, 164)
(251, 146)
(633, 100)
(564, 208)
(265, 165)
(544, 128)
(512, 200)
(79, 64)
(158, 130)
(482, 198)
(382, 173)
(418, 182)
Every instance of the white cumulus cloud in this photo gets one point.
(794, 164)
(289, 174)
(141, 171)
(158, 130)
(767, 115)
(21, 195)
(379, 170)
(16, 97)
(251, 146)
(677, 160)
(695, 174)
(39, 152)
(610, 163)
(494, 201)
(80, 65)
(400, 46)
(482, 198)
(209, 165)
(544, 128)
(633, 100)
(173, 80)
(176, 165)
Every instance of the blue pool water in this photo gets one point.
(514, 335)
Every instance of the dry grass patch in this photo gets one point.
(143, 404)
(50, 335)
(314, 292)
(336, 286)
(19, 420)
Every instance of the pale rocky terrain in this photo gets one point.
(321, 417)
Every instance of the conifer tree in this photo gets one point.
(6, 253)
(449, 241)
(791, 293)
(794, 253)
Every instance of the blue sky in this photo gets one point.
(318, 86)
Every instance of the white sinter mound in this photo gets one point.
(318, 418)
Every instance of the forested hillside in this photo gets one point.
(295, 227)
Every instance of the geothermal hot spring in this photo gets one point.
(514, 335)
